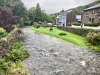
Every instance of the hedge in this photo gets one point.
(76, 23)
(92, 24)
(79, 31)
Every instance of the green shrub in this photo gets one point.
(27, 23)
(2, 32)
(12, 64)
(16, 69)
(3, 64)
(92, 24)
(76, 23)
(18, 52)
(36, 25)
(21, 21)
(94, 38)
(79, 31)
(62, 34)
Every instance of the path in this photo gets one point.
(53, 56)
(87, 27)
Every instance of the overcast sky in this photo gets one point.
(53, 6)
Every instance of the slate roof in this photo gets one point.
(93, 7)
(64, 13)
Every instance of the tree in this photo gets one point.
(37, 14)
(7, 19)
(31, 12)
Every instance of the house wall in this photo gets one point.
(62, 20)
(71, 17)
(91, 16)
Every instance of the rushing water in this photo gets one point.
(53, 56)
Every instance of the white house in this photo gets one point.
(65, 17)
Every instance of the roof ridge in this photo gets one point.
(92, 7)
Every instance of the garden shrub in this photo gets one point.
(62, 34)
(27, 23)
(93, 38)
(92, 24)
(3, 64)
(76, 23)
(44, 23)
(2, 32)
(12, 64)
(79, 31)
(36, 25)
(18, 52)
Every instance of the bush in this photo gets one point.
(76, 23)
(2, 32)
(18, 52)
(79, 31)
(36, 25)
(12, 63)
(93, 38)
(21, 22)
(92, 24)
(27, 23)
(61, 34)
(3, 64)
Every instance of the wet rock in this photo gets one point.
(56, 54)
(60, 72)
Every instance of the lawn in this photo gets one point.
(75, 39)
(70, 37)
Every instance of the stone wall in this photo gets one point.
(6, 42)
(91, 16)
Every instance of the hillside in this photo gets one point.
(80, 9)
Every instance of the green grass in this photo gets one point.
(75, 39)
(70, 37)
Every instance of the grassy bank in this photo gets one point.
(70, 37)
(75, 39)
(12, 63)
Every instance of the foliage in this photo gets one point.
(12, 64)
(36, 25)
(62, 34)
(3, 65)
(17, 52)
(21, 21)
(92, 24)
(79, 31)
(27, 23)
(2, 32)
(17, 7)
(76, 23)
(44, 23)
(80, 9)
(37, 13)
(7, 19)
(31, 12)
(94, 38)
(16, 69)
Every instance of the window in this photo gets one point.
(89, 19)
